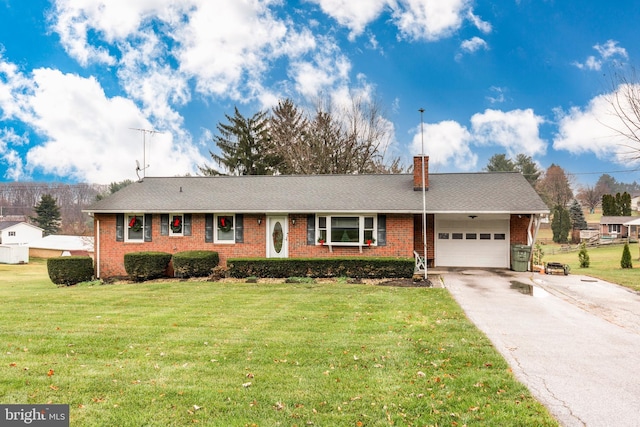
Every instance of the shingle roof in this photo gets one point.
(452, 193)
(615, 219)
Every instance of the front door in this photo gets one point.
(278, 237)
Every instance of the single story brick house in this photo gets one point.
(472, 218)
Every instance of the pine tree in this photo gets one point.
(583, 256)
(47, 215)
(242, 143)
(625, 262)
(560, 224)
(577, 216)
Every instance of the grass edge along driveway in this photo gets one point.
(182, 353)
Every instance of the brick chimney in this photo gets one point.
(417, 172)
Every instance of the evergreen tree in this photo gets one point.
(583, 256)
(625, 204)
(577, 216)
(625, 262)
(527, 167)
(242, 143)
(560, 224)
(500, 163)
(47, 215)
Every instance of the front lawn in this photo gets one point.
(239, 354)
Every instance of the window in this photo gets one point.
(471, 236)
(614, 228)
(225, 230)
(176, 225)
(346, 230)
(135, 228)
(443, 236)
(12, 234)
(456, 236)
(485, 236)
(499, 236)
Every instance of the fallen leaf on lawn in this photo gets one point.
(50, 373)
(13, 364)
(245, 385)
(421, 374)
(250, 375)
(196, 408)
(279, 406)
(53, 387)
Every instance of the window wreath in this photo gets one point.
(135, 224)
(176, 224)
(225, 223)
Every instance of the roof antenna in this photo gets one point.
(144, 152)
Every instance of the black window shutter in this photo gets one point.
(148, 220)
(311, 229)
(164, 224)
(186, 225)
(120, 227)
(239, 228)
(208, 228)
(382, 230)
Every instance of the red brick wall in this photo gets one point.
(417, 172)
(111, 253)
(518, 229)
(418, 240)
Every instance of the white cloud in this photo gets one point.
(86, 134)
(355, 15)
(609, 51)
(10, 156)
(498, 96)
(322, 74)
(481, 25)
(447, 143)
(593, 130)
(517, 131)
(430, 19)
(473, 45)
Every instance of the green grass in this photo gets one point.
(605, 263)
(240, 354)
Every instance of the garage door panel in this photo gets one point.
(474, 243)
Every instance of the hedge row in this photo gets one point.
(69, 270)
(195, 263)
(369, 268)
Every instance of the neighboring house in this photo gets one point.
(473, 218)
(634, 227)
(614, 227)
(18, 233)
(61, 245)
(635, 203)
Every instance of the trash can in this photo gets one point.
(520, 257)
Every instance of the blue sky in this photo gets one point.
(511, 76)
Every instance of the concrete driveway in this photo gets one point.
(572, 340)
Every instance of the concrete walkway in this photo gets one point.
(572, 340)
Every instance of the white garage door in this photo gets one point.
(472, 242)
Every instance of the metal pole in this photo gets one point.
(424, 198)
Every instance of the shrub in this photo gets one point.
(372, 268)
(583, 256)
(538, 254)
(69, 270)
(625, 262)
(194, 263)
(141, 266)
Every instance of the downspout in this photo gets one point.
(535, 218)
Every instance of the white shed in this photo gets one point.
(14, 254)
(19, 233)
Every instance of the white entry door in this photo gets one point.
(277, 237)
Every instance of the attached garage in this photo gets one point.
(472, 241)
